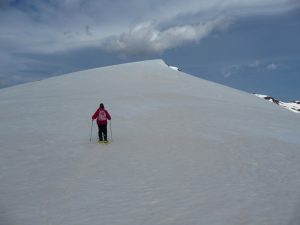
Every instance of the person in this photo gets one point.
(102, 116)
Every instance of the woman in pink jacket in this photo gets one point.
(102, 116)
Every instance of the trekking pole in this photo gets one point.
(110, 130)
(91, 131)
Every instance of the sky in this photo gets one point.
(251, 45)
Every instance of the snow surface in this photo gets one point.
(292, 106)
(185, 151)
(174, 68)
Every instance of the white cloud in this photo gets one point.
(55, 25)
(147, 38)
(227, 74)
(255, 64)
(272, 66)
(258, 66)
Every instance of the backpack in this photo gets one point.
(102, 115)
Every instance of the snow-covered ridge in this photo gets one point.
(174, 68)
(292, 106)
(184, 151)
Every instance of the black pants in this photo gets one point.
(102, 132)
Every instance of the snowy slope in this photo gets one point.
(292, 106)
(185, 152)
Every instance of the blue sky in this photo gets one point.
(249, 45)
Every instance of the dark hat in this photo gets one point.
(101, 106)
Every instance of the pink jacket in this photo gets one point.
(101, 120)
